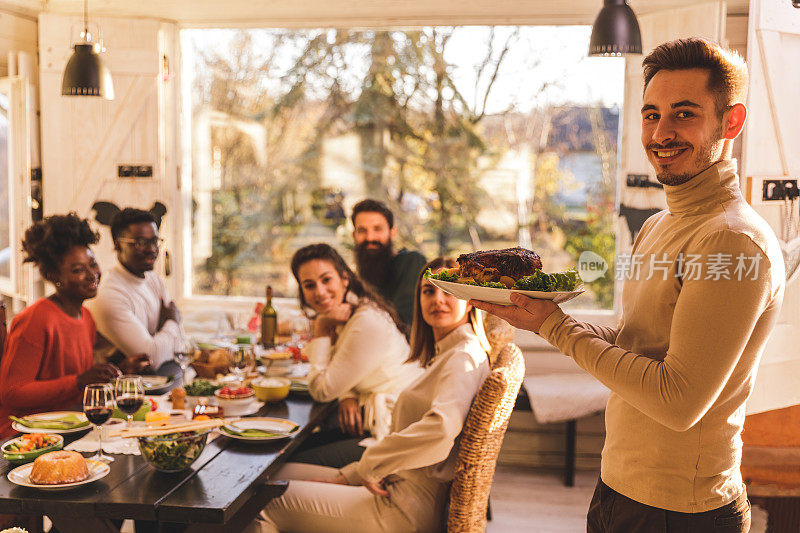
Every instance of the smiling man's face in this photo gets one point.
(137, 247)
(682, 131)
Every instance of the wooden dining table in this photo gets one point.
(223, 490)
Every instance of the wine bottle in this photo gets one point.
(269, 322)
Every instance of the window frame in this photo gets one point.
(183, 232)
(19, 284)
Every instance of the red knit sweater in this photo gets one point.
(44, 352)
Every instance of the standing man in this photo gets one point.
(393, 272)
(697, 308)
(133, 309)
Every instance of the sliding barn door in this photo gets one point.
(86, 140)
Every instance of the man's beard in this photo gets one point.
(706, 156)
(375, 264)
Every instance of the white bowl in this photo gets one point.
(235, 404)
(277, 371)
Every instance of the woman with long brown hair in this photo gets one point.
(358, 354)
(400, 483)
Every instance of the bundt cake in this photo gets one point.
(58, 468)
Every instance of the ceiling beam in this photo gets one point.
(351, 13)
(21, 8)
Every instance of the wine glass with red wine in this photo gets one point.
(129, 395)
(98, 402)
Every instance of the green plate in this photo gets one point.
(62, 422)
(259, 429)
(19, 458)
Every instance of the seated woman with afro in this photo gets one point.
(47, 358)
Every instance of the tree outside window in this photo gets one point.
(291, 128)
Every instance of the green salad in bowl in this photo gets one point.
(173, 452)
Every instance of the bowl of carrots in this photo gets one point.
(29, 446)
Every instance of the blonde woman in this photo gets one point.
(358, 355)
(401, 483)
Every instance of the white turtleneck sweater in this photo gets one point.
(684, 359)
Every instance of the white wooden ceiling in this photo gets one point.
(298, 13)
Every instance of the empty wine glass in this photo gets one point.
(184, 355)
(129, 395)
(301, 331)
(98, 402)
(242, 360)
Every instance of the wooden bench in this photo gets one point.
(563, 397)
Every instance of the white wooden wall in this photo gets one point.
(772, 34)
(85, 139)
(708, 20)
(771, 141)
(17, 33)
(702, 20)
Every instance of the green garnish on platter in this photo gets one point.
(566, 281)
(555, 282)
(441, 276)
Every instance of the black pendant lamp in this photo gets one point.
(85, 73)
(615, 31)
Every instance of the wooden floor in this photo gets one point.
(536, 500)
(533, 500)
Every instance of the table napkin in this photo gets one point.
(116, 445)
(65, 422)
(120, 445)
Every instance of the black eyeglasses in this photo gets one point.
(142, 243)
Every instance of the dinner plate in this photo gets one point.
(299, 385)
(20, 457)
(50, 416)
(264, 424)
(156, 384)
(463, 291)
(248, 409)
(21, 476)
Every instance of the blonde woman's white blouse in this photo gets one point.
(417, 459)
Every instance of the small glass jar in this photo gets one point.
(203, 407)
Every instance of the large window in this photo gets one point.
(476, 137)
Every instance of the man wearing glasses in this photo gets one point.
(133, 309)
